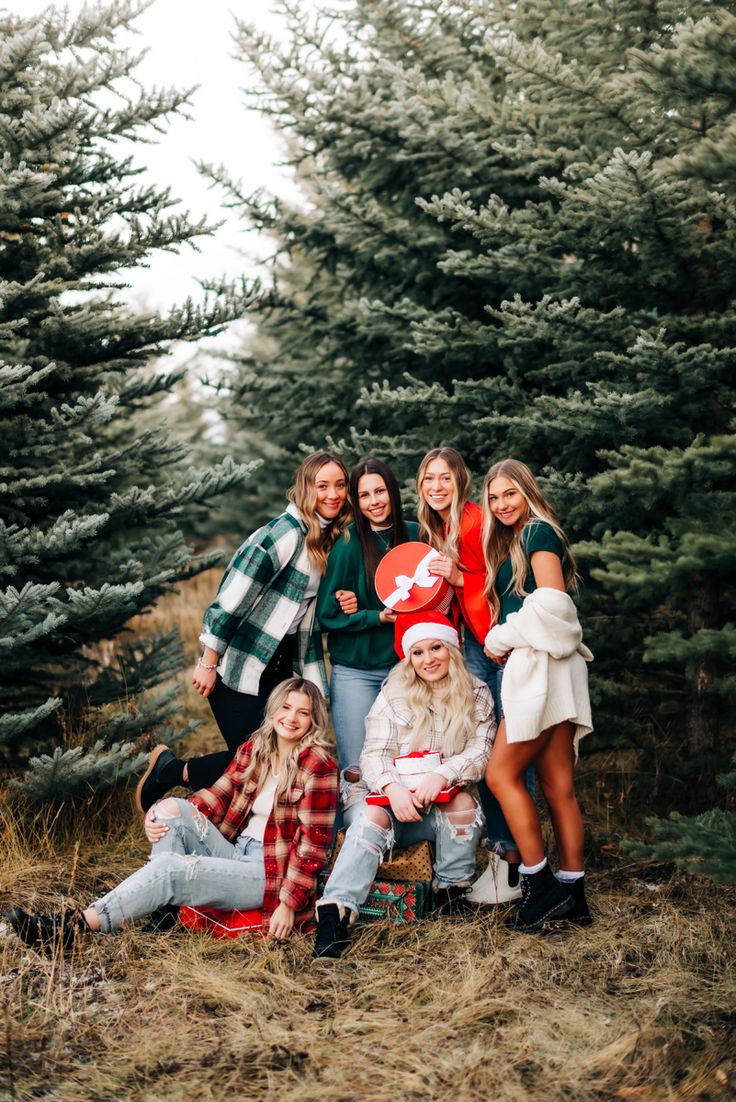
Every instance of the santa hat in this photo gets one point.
(412, 627)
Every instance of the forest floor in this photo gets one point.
(640, 1005)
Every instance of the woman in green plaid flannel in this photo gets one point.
(261, 626)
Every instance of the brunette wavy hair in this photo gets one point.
(399, 533)
(430, 521)
(264, 739)
(501, 542)
(303, 493)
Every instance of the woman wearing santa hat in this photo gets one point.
(453, 524)
(429, 703)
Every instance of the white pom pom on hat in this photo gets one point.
(413, 627)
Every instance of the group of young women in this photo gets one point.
(497, 687)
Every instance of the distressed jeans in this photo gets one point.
(352, 695)
(192, 865)
(365, 845)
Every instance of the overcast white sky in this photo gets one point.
(189, 42)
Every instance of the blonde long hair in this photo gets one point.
(455, 701)
(264, 739)
(430, 521)
(303, 493)
(501, 542)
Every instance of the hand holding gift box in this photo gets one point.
(404, 583)
(417, 772)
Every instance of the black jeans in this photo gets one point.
(238, 715)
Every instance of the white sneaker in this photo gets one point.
(492, 886)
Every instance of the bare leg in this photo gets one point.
(92, 919)
(504, 777)
(555, 767)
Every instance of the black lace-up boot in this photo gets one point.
(164, 771)
(47, 931)
(332, 936)
(579, 914)
(453, 900)
(543, 899)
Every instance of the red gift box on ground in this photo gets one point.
(404, 584)
(221, 924)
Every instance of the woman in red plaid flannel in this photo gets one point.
(255, 840)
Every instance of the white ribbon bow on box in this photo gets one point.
(421, 577)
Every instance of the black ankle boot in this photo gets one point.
(453, 900)
(332, 936)
(579, 914)
(46, 931)
(543, 899)
(161, 920)
(164, 771)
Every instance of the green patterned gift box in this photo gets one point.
(397, 901)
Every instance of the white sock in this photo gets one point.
(529, 870)
(566, 877)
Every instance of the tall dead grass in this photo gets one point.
(641, 1005)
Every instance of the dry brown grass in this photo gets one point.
(641, 1005)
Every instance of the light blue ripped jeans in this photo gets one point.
(366, 843)
(192, 865)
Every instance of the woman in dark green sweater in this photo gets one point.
(360, 635)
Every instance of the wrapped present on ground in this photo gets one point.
(403, 581)
(221, 924)
(396, 901)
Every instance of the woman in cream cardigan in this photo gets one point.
(544, 690)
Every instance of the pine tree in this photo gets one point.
(89, 493)
(701, 844)
(517, 237)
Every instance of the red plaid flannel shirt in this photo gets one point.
(298, 835)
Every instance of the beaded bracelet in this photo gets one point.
(201, 662)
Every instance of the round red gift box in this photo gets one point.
(404, 584)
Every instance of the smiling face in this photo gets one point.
(430, 659)
(373, 499)
(332, 490)
(507, 503)
(292, 720)
(438, 487)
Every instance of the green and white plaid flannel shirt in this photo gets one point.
(256, 603)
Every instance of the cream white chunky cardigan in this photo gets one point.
(545, 680)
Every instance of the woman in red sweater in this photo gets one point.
(453, 524)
